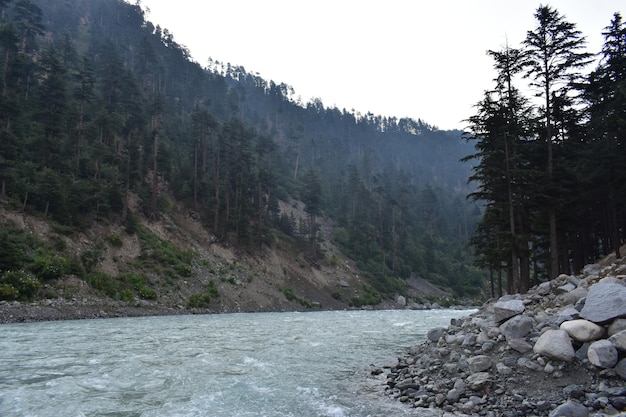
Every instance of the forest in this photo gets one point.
(550, 158)
(100, 105)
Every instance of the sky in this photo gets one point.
(404, 58)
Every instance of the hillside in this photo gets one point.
(106, 122)
(225, 279)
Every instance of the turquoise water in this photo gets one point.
(235, 365)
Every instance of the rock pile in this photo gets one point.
(559, 350)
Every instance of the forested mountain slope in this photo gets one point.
(105, 119)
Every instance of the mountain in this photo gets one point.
(108, 125)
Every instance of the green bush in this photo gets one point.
(48, 267)
(212, 289)
(127, 296)
(104, 283)
(90, 258)
(199, 301)
(370, 297)
(157, 253)
(147, 293)
(291, 296)
(14, 248)
(19, 285)
(184, 270)
(8, 292)
(115, 240)
(137, 281)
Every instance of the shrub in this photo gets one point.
(104, 283)
(291, 296)
(212, 289)
(115, 240)
(157, 252)
(48, 267)
(138, 282)
(370, 297)
(147, 293)
(127, 296)
(90, 259)
(19, 285)
(199, 301)
(14, 247)
(8, 292)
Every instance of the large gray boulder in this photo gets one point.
(591, 269)
(479, 380)
(583, 330)
(435, 333)
(479, 363)
(570, 409)
(620, 369)
(617, 326)
(605, 301)
(619, 340)
(602, 354)
(516, 327)
(573, 296)
(555, 344)
(503, 310)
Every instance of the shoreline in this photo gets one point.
(14, 312)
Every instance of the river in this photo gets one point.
(233, 365)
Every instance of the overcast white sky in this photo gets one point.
(413, 58)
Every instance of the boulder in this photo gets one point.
(479, 363)
(565, 288)
(570, 409)
(555, 344)
(573, 296)
(602, 354)
(435, 333)
(604, 302)
(619, 340)
(454, 395)
(504, 310)
(583, 330)
(520, 345)
(591, 269)
(401, 301)
(544, 288)
(503, 369)
(479, 380)
(516, 327)
(617, 326)
(620, 369)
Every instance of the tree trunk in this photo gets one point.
(491, 282)
(126, 188)
(155, 174)
(195, 176)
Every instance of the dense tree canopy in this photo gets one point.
(551, 173)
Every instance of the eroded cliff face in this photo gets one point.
(558, 350)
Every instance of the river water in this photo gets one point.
(232, 365)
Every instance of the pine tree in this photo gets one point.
(606, 95)
(553, 60)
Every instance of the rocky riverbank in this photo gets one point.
(61, 309)
(559, 350)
